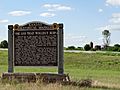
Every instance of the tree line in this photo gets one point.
(89, 47)
(106, 40)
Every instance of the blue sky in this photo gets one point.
(83, 20)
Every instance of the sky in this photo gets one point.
(84, 20)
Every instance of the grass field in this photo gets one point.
(103, 68)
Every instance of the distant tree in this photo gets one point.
(71, 48)
(97, 47)
(93, 49)
(116, 45)
(4, 44)
(115, 48)
(106, 40)
(109, 48)
(119, 50)
(79, 48)
(87, 47)
(112, 48)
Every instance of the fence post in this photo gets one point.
(60, 50)
(10, 49)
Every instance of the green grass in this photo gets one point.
(101, 67)
(3, 57)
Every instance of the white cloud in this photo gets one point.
(115, 18)
(100, 10)
(75, 40)
(56, 7)
(113, 2)
(115, 27)
(112, 27)
(116, 15)
(63, 8)
(107, 27)
(3, 21)
(19, 13)
(106, 4)
(47, 14)
(51, 5)
(114, 23)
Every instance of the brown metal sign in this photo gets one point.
(36, 44)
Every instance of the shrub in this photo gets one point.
(116, 45)
(87, 47)
(71, 48)
(97, 47)
(4, 44)
(79, 48)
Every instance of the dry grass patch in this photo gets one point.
(36, 86)
(112, 86)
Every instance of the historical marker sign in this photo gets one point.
(35, 44)
(35, 48)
